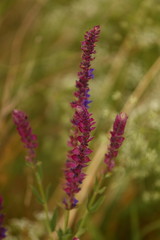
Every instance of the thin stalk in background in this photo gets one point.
(30, 143)
(44, 200)
(66, 220)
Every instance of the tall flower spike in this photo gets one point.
(25, 131)
(82, 123)
(86, 73)
(2, 229)
(116, 140)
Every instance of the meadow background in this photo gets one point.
(39, 60)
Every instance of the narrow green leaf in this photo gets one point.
(48, 192)
(53, 220)
(96, 183)
(108, 175)
(60, 233)
(102, 190)
(29, 164)
(93, 208)
(79, 222)
(67, 236)
(81, 231)
(36, 193)
(40, 171)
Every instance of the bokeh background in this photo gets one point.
(39, 60)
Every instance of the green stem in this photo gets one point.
(42, 193)
(96, 191)
(67, 212)
(87, 213)
(80, 228)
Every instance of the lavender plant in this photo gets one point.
(30, 143)
(82, 123)
(27, 137)
(78, 156)
(116, 140)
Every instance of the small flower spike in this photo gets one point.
(116, 140)
(25, 131)
(2, 229)
(82, 123)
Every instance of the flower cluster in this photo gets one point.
(82, 123)
(25, 131)
(116, 140)
(2, 229)
(78, 155)
(86, 73)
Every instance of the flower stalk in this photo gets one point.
(67, 212)
(90, 203)
(82, 123)
(24, 129)
(30, 143)
(116, 140)
(44, 202)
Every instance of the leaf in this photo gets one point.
(101, 190)
(40, 171)
(36, 193)
(93, 208)
(96, 182)
(48, 191)
(29, 164)
(108, 175)
(81, 229)
(67, 236)
(53, 220)
(60, 233)
(64, 235)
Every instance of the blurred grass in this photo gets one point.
(40, 55)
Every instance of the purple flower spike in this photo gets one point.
(78, 156)
(86, 73)
(82, 123)
(25, 131)
(2, 229)
(116, 140)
